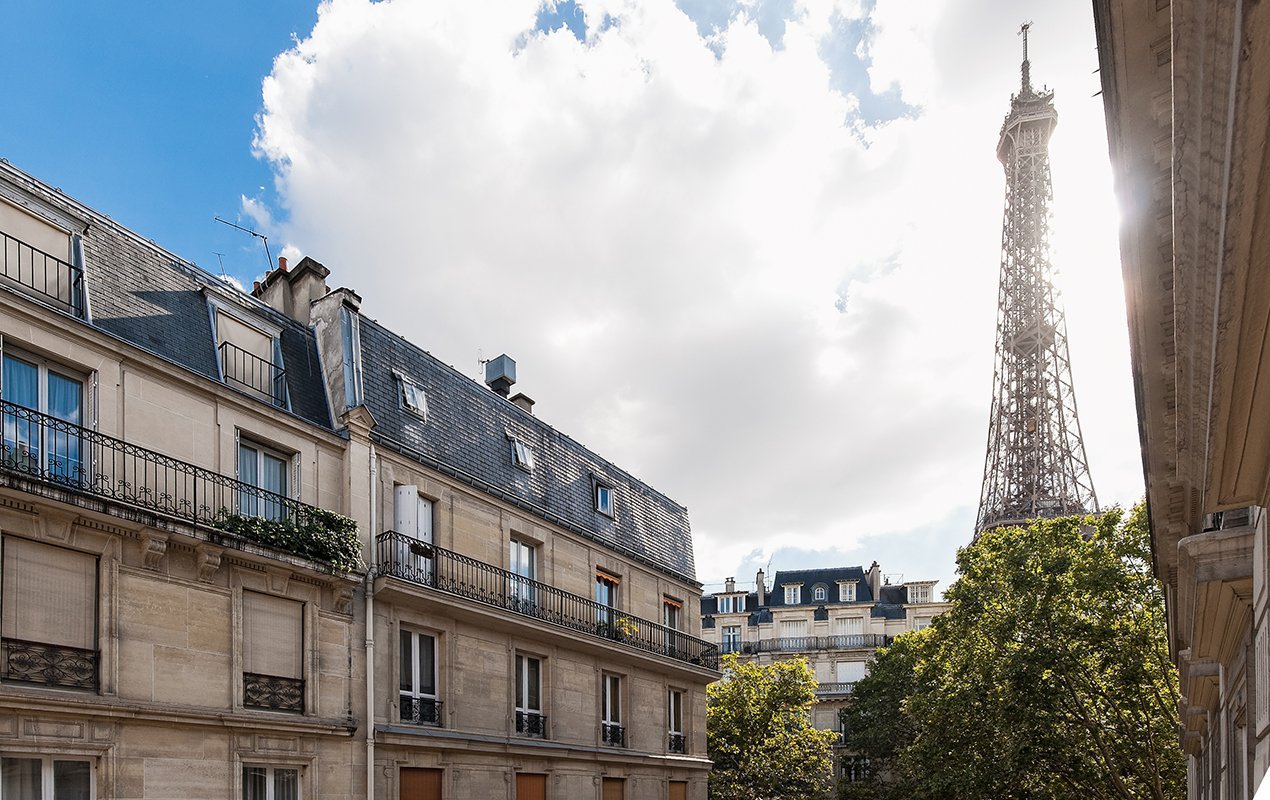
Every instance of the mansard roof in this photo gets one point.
(468, 433)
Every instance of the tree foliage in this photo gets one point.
(759, 733)
(1048, 678)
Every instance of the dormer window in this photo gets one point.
(522, 455)
(413, 398)
(249, 355)
(604, 499)
(793, 594)
(846, 591)
(39, 255)
(820, 594)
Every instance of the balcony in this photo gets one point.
(531, 724)
(252, 374)
(70, 458)
(835, 689)
(42, 275)
(805, 644)
(421, 711)
(678, 743)
(455, 574)
(612, 734)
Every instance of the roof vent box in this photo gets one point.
(500, 374)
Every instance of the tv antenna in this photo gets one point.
(220, 260)
(260, 236)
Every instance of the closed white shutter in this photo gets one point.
(849, 626)
(424, 517)
(793, 628)
(406, 511)
(851, 671)
(273, 635)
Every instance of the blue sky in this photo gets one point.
(749, 253)
(146, 111)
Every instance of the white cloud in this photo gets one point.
(662, 236)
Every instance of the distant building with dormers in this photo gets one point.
(836, 618)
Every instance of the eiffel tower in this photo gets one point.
(1035, 466)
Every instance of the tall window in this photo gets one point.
(413, 525)
(846, 592)
(49, 615)
(611, 730)
(606, 595)
(270, 783)
(793, 629)
(604, 499)
(418, 670)
(45, 778)
(672, 613)
(267, 471)
(520, 562)
(675, 721)
(36, 447)
(273, 652)
(530, 721)
(793, 595)
(848, 626)
(731, 638)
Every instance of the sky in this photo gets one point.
(746, 249)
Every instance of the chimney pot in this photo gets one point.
(282, 263)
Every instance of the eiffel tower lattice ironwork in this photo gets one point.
(1035, 465)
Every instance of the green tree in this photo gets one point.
(1048, 678)
(759, 733)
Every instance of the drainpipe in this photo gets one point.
(370, 633)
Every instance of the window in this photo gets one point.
(731, 638)
(672, 613)
(522, 455)
(919, 593)
(271, 783)
(793, 594)
(530, 721)
(413, 398)
(820, 594)
(848, 626)
(793, 628)
(675, 721)
(604, 499)
(611, 731)
(273, 652)
(520, 563)
(606, 595)
(49, 615)
(412, 529)
(265, 475)
(250, 356)
(846, 592)
(725, 604)
(31, 444)
(851, 671)
(921, 623)
(42, 256)
(418, 679)
(45, 778)
(351, 341)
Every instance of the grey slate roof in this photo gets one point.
(810, 578)
(469, 431)
(150, 298)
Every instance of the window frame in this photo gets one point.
(522, 455)
(675, 707)
(262, 451)
(603, 497)
(522, 588)
(846, 591)
(819, 594)
(523, 683)
(218, 306)
(411, 396)
(63, 443)
(735, 644)
(611, 698)
(672, 613)
(47, 761)
(271, 771)
(794, 590)
(416, 692)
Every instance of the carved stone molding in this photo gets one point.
(153, 547)
(208, 562)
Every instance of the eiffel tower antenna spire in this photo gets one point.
(1035, 466)
(1027, 65)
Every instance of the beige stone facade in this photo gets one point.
(1186, 87)
(835, 618)
(174, 620)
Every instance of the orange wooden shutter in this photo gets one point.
(420, 784)
(530, 786)
(614, 789)
(678, 790)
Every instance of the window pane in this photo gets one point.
(520, 681)
(248, 473)
(286, 784)
(533, 666)
(21, 383)
(255, 783)
(405, 666)
(65, 398)
(275, 477)
(72, 780)
(427, 666)
(21, 777)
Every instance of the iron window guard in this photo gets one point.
(532, 724)
(48, 664)
(273, 692)
(258, 376)
(51, 279)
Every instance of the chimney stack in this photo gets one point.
(500, 374)
(293, 291)
(729, 585)
(874, 576)
(524, 401)
(761, 587)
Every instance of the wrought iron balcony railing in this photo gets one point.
(612, 734)
(532, 724)
(835, 689)
(803, 644)
(255, 375)
(410, 560)
(52, 451)
(48, 664)
(45, 276)
(421, 711)
(678, 743)
(272, 692)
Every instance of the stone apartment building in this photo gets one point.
(1186, 90)
(836, 618)
(217, 510)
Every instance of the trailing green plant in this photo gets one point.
(319, 535)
